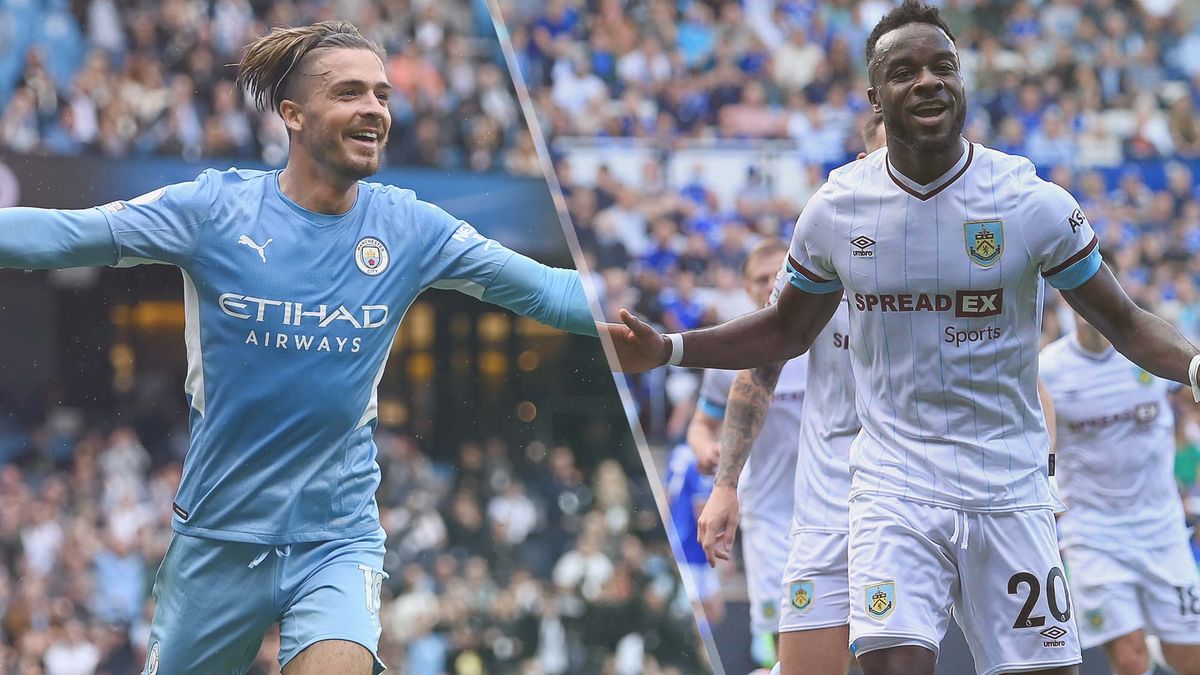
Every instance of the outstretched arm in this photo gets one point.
(461, 259)
(1142, 337)
(748, 402)
(773, 334)
(53, 239)
(550, 295)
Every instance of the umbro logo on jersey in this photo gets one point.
(864, 247)
(247, 241)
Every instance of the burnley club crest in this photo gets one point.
(984, 240)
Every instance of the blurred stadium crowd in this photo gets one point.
(500, 560)
(1101, 94)
(505, 561)
(134, 78)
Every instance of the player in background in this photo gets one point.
(295, 282)
(941, 247)
(687, 490)
(1124, 537)
(815, 607)
(763, 482)
(874, 135)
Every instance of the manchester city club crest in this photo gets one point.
(371, 256)
(152, 660)
(984, 240)
(1094, 618)
(801, 593)
(880, 599)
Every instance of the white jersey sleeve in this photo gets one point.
(714, 392)
(1058, 236)
(809, 266)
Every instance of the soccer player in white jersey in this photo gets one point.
(941, 247)
(1124, 537)
(765, 480)
(815, 607)
(295, 282)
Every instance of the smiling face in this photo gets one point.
(916, 84)
(339, 112)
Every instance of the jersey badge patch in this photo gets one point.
(1094, 618)
(801, 593)
(768, 609)
(1143, 378)
(371, 256)
(152, 660)
(984, 240)
(880, 599)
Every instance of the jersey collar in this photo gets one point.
(313, 217)
(938, 184)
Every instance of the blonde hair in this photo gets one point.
(265, 67)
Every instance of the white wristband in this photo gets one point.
(677, 350)
(1195, 366)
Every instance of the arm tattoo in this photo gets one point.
(744, 412)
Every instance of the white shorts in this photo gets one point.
(911, 563)
(765, 552)
(1118, 592)
(815, 583)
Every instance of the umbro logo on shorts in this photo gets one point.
(1054, 635)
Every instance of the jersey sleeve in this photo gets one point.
(1060, 238)
(714, 392)
(469, 262)
(162, 226)
(53, 239)
(809, 265)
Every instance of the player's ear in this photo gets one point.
(873, 97)
(293, 116)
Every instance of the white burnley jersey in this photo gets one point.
(1116, 449)
(765, 486)
(945, 284)
(829, 425)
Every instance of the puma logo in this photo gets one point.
(250, 242)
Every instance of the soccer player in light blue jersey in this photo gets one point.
(295, 282)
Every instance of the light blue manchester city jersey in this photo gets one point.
(290, 318)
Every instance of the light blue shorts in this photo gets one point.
(215, 599)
